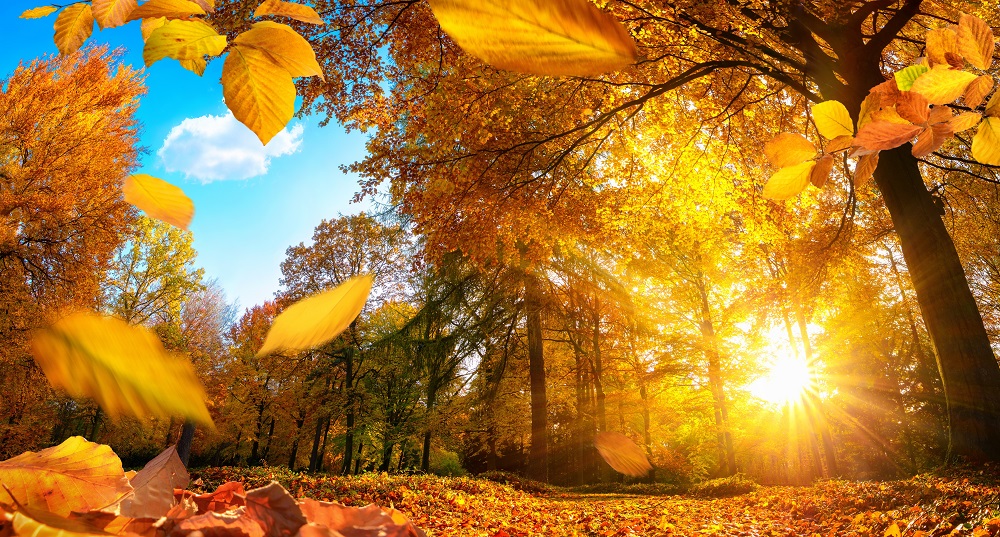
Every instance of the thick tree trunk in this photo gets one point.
(293, 455)
(538, 455)
(314, 454)
(966, 361)
(184, 444)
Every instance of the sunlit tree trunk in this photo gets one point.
(727, 454)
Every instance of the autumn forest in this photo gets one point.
(694, 249)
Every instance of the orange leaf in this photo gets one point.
(931, 139)
(913, 107)
(978, 90)
(821, 172)
(275, 510)
(76, 475)
(879, 135)
(235, 523)
(975, 41)
(154, 486)
(73, 26)
(227, 496)
(621, 453)
(291, 10)
(865, 169)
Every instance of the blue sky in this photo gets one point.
(251, 202)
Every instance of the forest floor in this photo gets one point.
(963, 502)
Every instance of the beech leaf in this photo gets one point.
(977, 91)
(839, 143)
(227, 496)
(39, 12)
(986, 142)
(788, 182)
(124, 368)
(832, 119)
(258, 90)
(73, 26)
(542, 37)
(299, 12)
(964, 121)
(788, 149)
(112, 13)
(171, 9)
(879, 135)
(821, 172)
(940, 42)
(942, 85)
(865, 168)
(182, 40)
(906, 77)
(317, 319)
(76, 475)
(975, 41)
(154, 486)
(36, 523)
(285, 46)
(913, 107)
(275, 510)
(931, 138)
(149, 24)
(159, 199)
(621, 453)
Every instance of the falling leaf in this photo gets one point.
(285, 46)
(154, 486)
(906, 77)
(171, 9)
(258, 91)
(39, 12)
(789, 149)
(73, 26)
(159, 199)
(76, 475)
(621, 453)
(978, 90)
(975, 41)
(986, 142)
(832, 119)
(865, 169)
(821, 172)
(112, 13)
(788, 182)
(291, 10)
(124, 368)
(964, 121)
(544, 37)
(880, 135)
(182, 40)
(940, 42)
(275, 510)
(942, 85)
(317, 319)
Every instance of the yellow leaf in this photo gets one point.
(182, 40)
(258, 90)
(171, 9)
(975, 41)
(942, 85)
(621, 453)
(940, 42)
(112, 13)
(821, 172)
(148, 25)
(870, 105)
(906, 77)
(159, 199)
(788, 182)
(986, 142)
(978, 90)
(285, 46)
(865, 168)
(543, 37)
(832, 119)
(291, 10)
(964, 121)
(993, 106)
(73, 26)
(124, 368)
(317, 319)
(39, 12)
(892, 531)
(788, 149)
(76, 475)
(35, 523)
(195, 65)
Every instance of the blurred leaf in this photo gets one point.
(76, 475)
(317, 319)
(620, 451)
(124, 368)
(543, 37)
(159, 199)
(299, 12)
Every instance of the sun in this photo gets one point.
(786, 381)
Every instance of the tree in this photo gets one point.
(68, 139)
(464, 139)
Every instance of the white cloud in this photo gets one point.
(218, 148)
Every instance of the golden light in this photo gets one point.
(785, 382)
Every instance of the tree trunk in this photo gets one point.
(968, 367)
(295, 440)
(425, 460)
(184, 444)
(727, 454)
(602, 418)
(348, 411)
(538, 455)
(314, 454)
